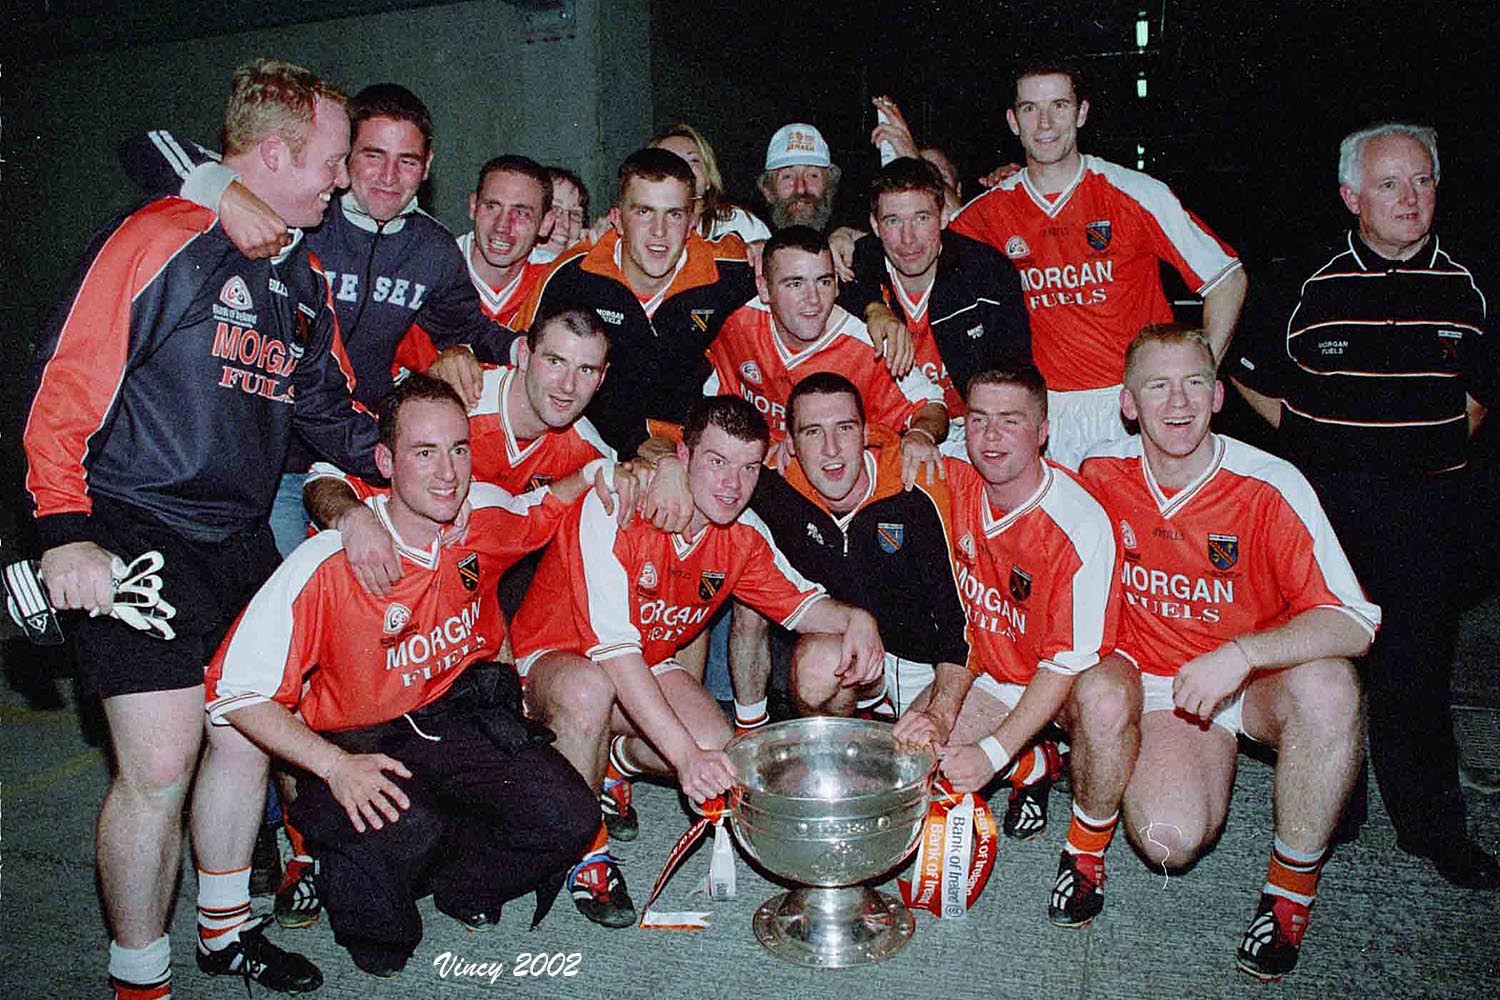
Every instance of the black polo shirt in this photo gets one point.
(1372, 358)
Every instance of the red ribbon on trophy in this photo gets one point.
(720, 883)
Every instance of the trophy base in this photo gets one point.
(833, 928)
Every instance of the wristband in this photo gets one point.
(995, 751)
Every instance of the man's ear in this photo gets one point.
(273, 152)
(1127, 405)
(523, 354)
(473, 205)
(1351, 198)
(427, 167)
(549, 219)
(1083, 113)
(384, 460)
(1042, 433)
(682, 453)
(614, 219)
(762, 287)
(1010, 119)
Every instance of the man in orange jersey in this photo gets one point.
(1035, 561)
(597, 636)
(1088, 238)
(526, 431)
(796, 329)
(415, 758)
(1242, 614)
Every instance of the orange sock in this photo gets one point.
(130, 991)
(1036, 762)
(601, 841)
(295, 839)
(1087, 835)
(1293, 874)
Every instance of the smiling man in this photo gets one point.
(1370, 357)
(598, 634)
(797, 328)
(1089, 238)
(1242, 615)
(154, 428)
(838, 508)
(415, 764)
(960, 298)
(661, 291)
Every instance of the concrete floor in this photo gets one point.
(1384, 924)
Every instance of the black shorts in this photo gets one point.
(208, 582)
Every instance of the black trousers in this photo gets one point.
(495, 813)
(1404, 536)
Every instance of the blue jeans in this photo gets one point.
(289, 519)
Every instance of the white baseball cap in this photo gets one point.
(797, 145)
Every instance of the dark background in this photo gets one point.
(1246, 102)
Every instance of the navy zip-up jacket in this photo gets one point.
(172, 375)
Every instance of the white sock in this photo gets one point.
(146, 966)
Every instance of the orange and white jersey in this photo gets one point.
(314, 641)
(750, 360)
(1089, 261)
(1037, 583)
(602, 591)
(924, 344)
(515, 465)
(500, 458)
(1243, 548)
(501, 304)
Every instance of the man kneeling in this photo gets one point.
(421, 772)
(610, 607)
(1242, 614)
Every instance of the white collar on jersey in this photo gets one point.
(1171, 505)
(831, 330)
(430, 557)
(1052, 206)
(993, 526)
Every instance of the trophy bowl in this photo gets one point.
(829, 803)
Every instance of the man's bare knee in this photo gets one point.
(814, 681)
(1106, 700)
(1324, 697)
(1170, 843)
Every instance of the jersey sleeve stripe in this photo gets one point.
(1088, 530)
(590, 436)
(1201, 250)
(82, 379)
(606, 586)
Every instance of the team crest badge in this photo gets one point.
(709, 585)
(1127, 535)
(700, 319)
(890, 536)
(1223, 550)
(236, 294)
(1098, 234)
(750, 372)
(468, 571)
(648, 577)
(966, 545)
(537, 481)
(1020, 584)
(397, 617)
(1016, 247)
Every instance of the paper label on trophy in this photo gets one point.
(721, 872)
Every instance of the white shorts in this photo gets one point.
(1080, 421)
(1156, 696)
(906, 679)
(525, 663)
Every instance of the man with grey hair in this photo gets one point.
(1369, 359)
(801, 179)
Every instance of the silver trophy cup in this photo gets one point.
(829, 803)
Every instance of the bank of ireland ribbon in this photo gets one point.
(955, 854)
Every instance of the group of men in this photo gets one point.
(922, 469)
